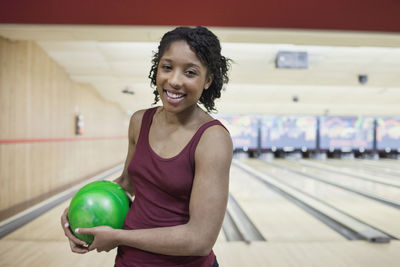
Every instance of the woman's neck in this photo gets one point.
(182, 118)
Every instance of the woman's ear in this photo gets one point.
(209, 81)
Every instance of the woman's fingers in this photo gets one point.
(77, 249)
(67, 231)
(64, 219)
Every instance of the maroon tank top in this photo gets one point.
(162, 194)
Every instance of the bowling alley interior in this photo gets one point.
(312, 107)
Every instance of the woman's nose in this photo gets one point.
(175, 79)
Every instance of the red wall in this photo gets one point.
(360, 15)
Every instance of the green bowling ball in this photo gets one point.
(100, 203)
(108, 185)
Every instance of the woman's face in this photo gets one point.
(181, 77)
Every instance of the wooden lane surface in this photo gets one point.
(48, 253)
(230, 254)
(306, 254)
(380, 190)
(383, 167)
(276, 218)
(376, 214)
(393, 164)
(42, 243)
(380, 163)
(361, 167)
(360, 173)
(30, 246)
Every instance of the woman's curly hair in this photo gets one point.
(208, 49)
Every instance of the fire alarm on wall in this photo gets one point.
(79, 125)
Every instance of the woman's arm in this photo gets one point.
(79, 246)
(134, 129)
(207, 207)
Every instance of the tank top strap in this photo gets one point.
(146, 123)
(196, 138)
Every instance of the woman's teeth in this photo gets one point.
(174, 96)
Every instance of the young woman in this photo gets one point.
(177, 164)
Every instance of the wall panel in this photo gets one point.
(39, 151)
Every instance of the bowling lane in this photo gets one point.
(377, 163)
(41, 242)
(383, 191)
(369, 211)
(276, 218)
(352, 170)
(393, 164)
(390, 168)
(308, 254)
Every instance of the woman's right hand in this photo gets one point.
(77, 245)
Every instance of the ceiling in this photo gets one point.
(114, 58)
(109, 44)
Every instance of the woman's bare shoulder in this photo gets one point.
(136, 123)
(216, 138)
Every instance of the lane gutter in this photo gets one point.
(13, 223)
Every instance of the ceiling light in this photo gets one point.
(291, 60)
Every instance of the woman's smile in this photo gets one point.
(173, 97)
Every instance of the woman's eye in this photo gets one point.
(166, 67)
(191, 72)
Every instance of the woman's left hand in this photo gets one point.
(104, 238)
